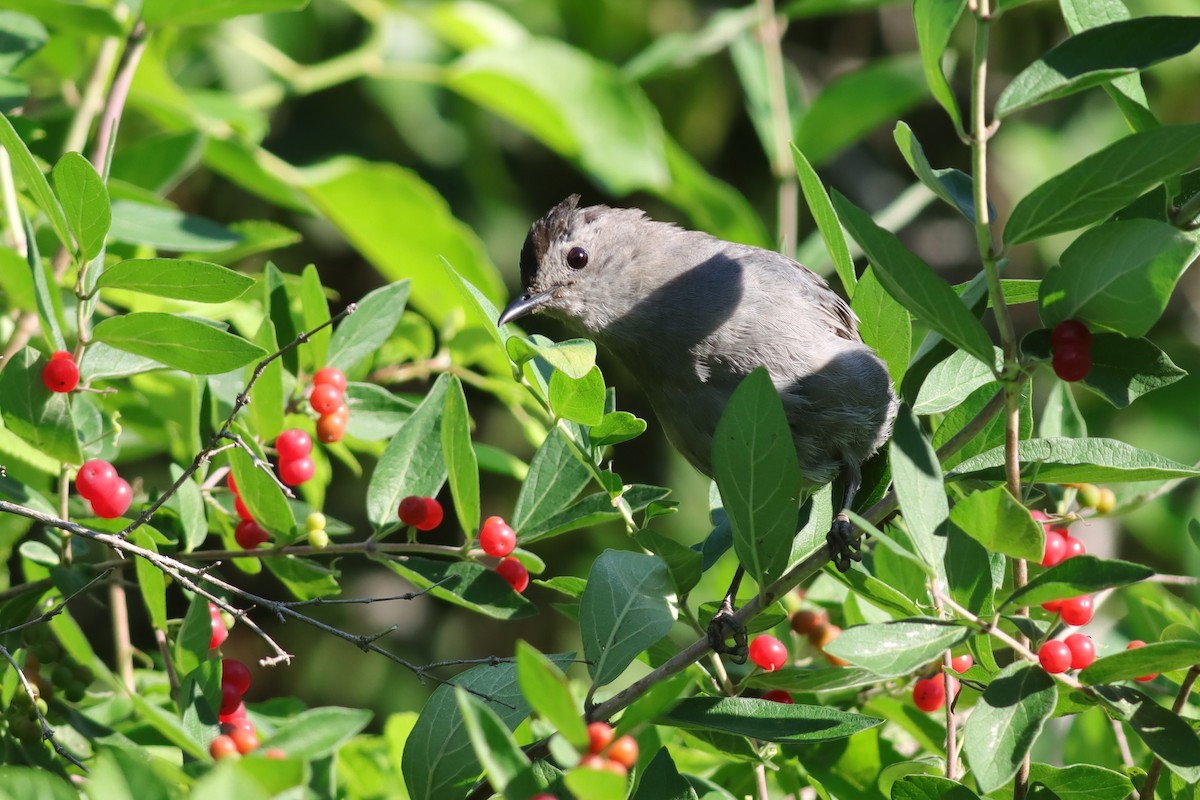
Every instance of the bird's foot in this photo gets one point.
(843, 548)
(725, 627)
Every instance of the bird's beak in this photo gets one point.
(525, 304)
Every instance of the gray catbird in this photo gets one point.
(691, 315)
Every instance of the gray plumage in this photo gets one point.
(690, 315)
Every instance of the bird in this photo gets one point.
(691, 315)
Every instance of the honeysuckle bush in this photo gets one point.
(195, 351)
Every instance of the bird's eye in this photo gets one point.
(577, 258)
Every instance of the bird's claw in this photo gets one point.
(725, 627)
(843, 548)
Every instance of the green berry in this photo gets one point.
(318, 538)
(315, 522)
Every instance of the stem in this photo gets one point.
(121, 639)
(1185, 216)
(90, 102)
(1156, 766)
(164, 650)
(114, 106)
(771, 28)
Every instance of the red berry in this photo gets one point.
(219, 632)
(1134, 645)
(240, 507)
(249, 534)
(57, 354)
(600, 736)
(294, 472)
(804, 622)
(95, 478)
(515, 573)
(1039, 516)
(1070, 333)
(332, 376)
(624, 751)
(115, 502)
(222, 747)
(1074, 547)
(929, 694)
(1055, 656)
(241, 723)
(231, 698)
(274, 753)
(1083, 650)
(1072, 364)
(412, 510)
(1053, 606)
(1056, 548)
(824, 633)
(331, 427)
(231, 483)
(246, 740)
(292, 444)
(778, 696)
(602, 764)
(768, 652)
(60, 374)
(961, 664)
(236, 674)
(325, 398)
(238, 713)
(433, 515)
(496, 538)
(1077, 610)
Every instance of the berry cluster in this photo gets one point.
(110, 495)
(238, 734)
(815, 625)
(422, 513)
(1060, 546)
(315, 525)
(248, 534)
(50, 671)
(1077, 651)
(605, 754)
(498, 539)
(329, 389)
(60, 373)
(929, 694)
(295, 464)
(1071, 350)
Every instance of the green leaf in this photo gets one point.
(314, 310)
(304, 578)
(375, 413)
(85, 204)
(362, 333)
(191, 643)
(267, 395)
(918, 483)
(1097, 56)
(198, 281)
(25, 168)
(628, 606)
(911, 281)
(438, 761)
(815, 681)
(616, 427)
(189, 504)
(46, 293)
(1104, 182)
(883, 323)
(167, 228)
(582, 108)
(549, 694)
(502, 759)
(1167, 735)
(161, 13)
(1006, 721)
(857, 103)
(1067, 460)
(37, 415)
(930, 787)
(1156, 657)
(580, 400)
(555, 478)
(661, 780)
(1081, 782)
(151, 582)
(953, 186)
(591, 510)
(827, 223)
(590, 783)
(756, 469)
(1119, 276)
(952, 381)
(412, 463)
(890, 649)
(23, 36)
(262, 496)
(318, 732)
(1122, 371)
(464, 583)
(1076, 576)
(1125, 90)
(999, 522)
(934, 21)
(765, 720)
(461, 466)
(682, 562)
(34, 783)
(405, 228)
(178, 342)
(573, 357)
(124, 773)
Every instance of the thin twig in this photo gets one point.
(122, 642)
(114, 105)
(164, 650)
(771, 27)
(1156, 766)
